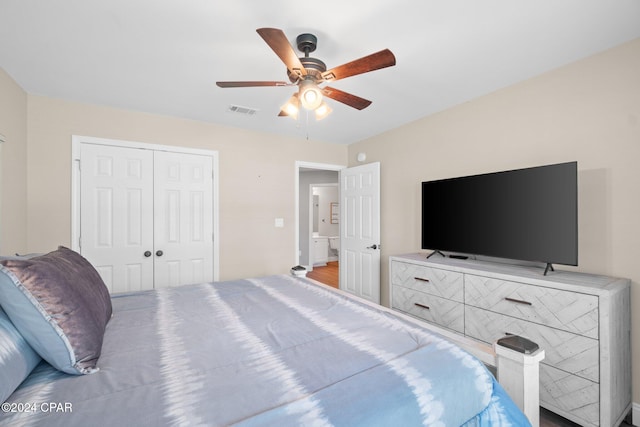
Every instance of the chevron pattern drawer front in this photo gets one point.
(569, 311)
(441, 311)
(568, 394)
(567, 351)
(438, 282)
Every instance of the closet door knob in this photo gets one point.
(147, 254)
(159, 253)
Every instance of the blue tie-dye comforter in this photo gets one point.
(274, 351)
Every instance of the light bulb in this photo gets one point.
(292, 107)
(323, 111)
(310, 95)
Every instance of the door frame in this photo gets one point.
(306, 165)
(76, 144)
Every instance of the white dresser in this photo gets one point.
(582, 321)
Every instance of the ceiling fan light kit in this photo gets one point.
(307, 73)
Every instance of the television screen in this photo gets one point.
(526, 214)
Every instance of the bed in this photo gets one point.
(277, 350)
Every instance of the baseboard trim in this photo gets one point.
(635, 414)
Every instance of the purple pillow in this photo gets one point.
(60, 305)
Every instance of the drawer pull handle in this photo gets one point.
(518, 301)
(421, 279)
(422, 305)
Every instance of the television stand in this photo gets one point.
(547, 268)
(435, 252)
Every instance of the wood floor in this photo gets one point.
(329, 276)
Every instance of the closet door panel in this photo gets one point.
(116, 201)
(183, 212)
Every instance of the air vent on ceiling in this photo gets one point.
(247, 111)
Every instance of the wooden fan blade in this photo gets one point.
(277, 41)
(346, 98)
(375, 61)
(251, 84)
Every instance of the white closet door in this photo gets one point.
(183, 199)
(116, 207)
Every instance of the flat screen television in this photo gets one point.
(525, 214)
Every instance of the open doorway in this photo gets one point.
(324, 223)
(316, 225)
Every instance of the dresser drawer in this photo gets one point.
(442, 283)
(565, 310)
(567, 351)
(570, 395)
(441, 311)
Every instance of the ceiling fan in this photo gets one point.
(307, 73)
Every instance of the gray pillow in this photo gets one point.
(60, 305)
(17, 358)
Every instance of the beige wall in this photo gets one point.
(13, 166)
(588, 111)
(257, 177)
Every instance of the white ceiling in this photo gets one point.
(164, 56)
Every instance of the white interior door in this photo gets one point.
(183, 249)
(116, 204)
(360, 231)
